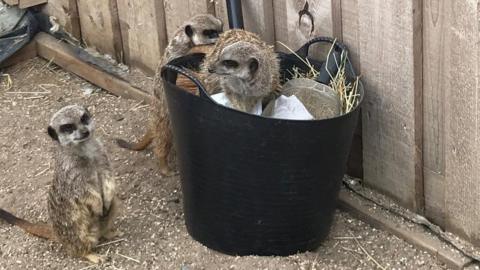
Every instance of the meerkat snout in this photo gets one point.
(71, 125)
(238, 64)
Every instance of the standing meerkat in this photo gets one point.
(82, 201)
(200, 30)
(244, 67)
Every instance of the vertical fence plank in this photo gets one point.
(392, 113)
(144, 37)
(66, 12)
(297, 21)
(100, 27)
(258, 17)
(462, 118)
(434, 87)
(178, 11)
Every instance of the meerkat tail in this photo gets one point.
(41, 230)
(139, 146)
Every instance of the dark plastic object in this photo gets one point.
(255, 185)
(235, 15)
(15, 39)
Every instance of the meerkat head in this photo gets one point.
(71, 125)
(242, 69)
(203, 29)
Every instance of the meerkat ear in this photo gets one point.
(52, 133)
(253, 66)
(189, 31)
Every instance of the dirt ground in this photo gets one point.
(152, 221)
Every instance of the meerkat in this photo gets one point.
(200, 30)
(82, 201)
(244, 67)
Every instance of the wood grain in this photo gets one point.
(295, 31)
(30, 3)
(462, 118)
(11, 2)
(66, 12)
(434, 87)
(257, 15)
(137, 18)
(392, 116)
(100, 27)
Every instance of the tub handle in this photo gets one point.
(339, 48)
(195, 80)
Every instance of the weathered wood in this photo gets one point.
(257, 15)
(392, 112)
(178, 11)
(62, 54)
(362, 210)
(66, 12)
(11, 2)
(462, 118)
(25, 53)
(434, 85)
(294, 30)
(350, 29)
(144, 37)
(30, 3)
(100, 27)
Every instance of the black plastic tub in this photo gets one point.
(253, 185)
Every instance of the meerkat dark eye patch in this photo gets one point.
(67, 128)
(85, 119)
(52, 133)
(210, 33)
(253, 66)
(230, 63)
(189, 31)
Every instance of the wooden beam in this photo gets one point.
(66, 12)
(25, 53)
(11, 2)
(30, 3)
(391, 63)
(414, 235)
(62, 54)
(137, 18)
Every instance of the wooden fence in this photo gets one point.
(419, 62)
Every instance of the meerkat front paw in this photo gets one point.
(113, 234)
(95, 258)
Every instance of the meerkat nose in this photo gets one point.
(211, 70)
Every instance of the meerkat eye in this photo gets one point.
(210, 33)
(85, 119)
(67, 128)
(230, 63)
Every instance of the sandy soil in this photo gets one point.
(155, 235)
